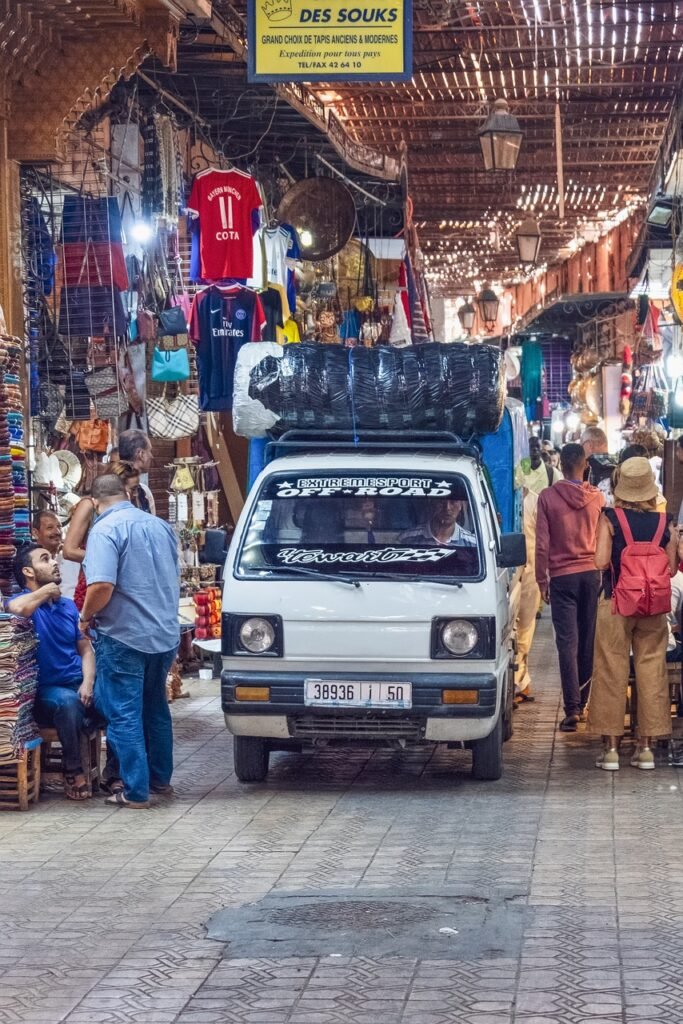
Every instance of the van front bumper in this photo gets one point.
(285, 716)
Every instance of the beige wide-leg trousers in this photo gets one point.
(615, 636)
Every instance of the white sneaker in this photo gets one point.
(608, 760)
(643, 759)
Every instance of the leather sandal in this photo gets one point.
(76, 792)
(111, 786)
(120, 800)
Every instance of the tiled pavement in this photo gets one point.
(102, 911)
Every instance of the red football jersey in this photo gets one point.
(224, 201)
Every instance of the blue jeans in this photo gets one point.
(132, 690)
(60, 707)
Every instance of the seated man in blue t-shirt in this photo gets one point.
(66, 663)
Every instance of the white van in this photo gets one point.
(367, 600)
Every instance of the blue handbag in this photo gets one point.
(171, 366)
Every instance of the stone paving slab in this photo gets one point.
(103, 912)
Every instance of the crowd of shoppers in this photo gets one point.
(600, 550)
(605, 555)
(103, 658)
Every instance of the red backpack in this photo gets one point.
(644, 586)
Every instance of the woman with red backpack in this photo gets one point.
(637, 548)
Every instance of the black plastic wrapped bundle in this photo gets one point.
(455, 387)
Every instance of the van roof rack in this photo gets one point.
(294, 441)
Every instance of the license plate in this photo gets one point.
(338, 693)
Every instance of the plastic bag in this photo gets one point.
(250, 416)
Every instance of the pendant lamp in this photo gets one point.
(528, 238)
(466, 315)
(488, 303)
(500, 138)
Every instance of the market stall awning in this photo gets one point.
(569, 311)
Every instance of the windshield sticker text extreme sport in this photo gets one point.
(390, 486)
(316, 556)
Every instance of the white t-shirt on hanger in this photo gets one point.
(258, 277)
(276, 243)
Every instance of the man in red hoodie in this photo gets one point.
(566, 529)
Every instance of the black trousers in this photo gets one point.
(574, 606)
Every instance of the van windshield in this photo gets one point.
(362, 525)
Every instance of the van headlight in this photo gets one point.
(459, 637)
(246, 636)
(257, 635)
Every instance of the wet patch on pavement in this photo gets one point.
(436, 925)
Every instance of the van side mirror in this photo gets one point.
(512, 551)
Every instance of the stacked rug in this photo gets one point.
(15, 422)
(18, 642)
(18, 682)
(7, 548)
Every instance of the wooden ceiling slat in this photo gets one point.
(615, 80)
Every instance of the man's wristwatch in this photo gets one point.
(84, 622)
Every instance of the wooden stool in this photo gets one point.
(91, 755)
(20, 782)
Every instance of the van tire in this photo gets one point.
(509, 707)
(487, 754)
(250, 757)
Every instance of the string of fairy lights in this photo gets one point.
(466, 253)
(608, 66)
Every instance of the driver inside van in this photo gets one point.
(442, 527)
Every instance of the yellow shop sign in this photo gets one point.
(334, 40)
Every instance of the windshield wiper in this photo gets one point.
(404, 577)
(310, 574)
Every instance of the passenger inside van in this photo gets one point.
(443, 526)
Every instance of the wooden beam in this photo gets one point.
(226, 470)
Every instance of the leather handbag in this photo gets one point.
(77, 397)
(108, 397)
(146, 324)
(173, 418)
(127, 377)
(92, 436)
(170, 366)
(172, 321)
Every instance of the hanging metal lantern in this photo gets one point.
(488, 303)
(528, 238)
(500, 138)
(466, 315)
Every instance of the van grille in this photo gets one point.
(355, 727)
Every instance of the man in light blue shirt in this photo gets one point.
(443, 526)
(131, 568)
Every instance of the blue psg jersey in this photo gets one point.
(222, 320)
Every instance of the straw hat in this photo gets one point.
(636, 481)
(71, 469)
